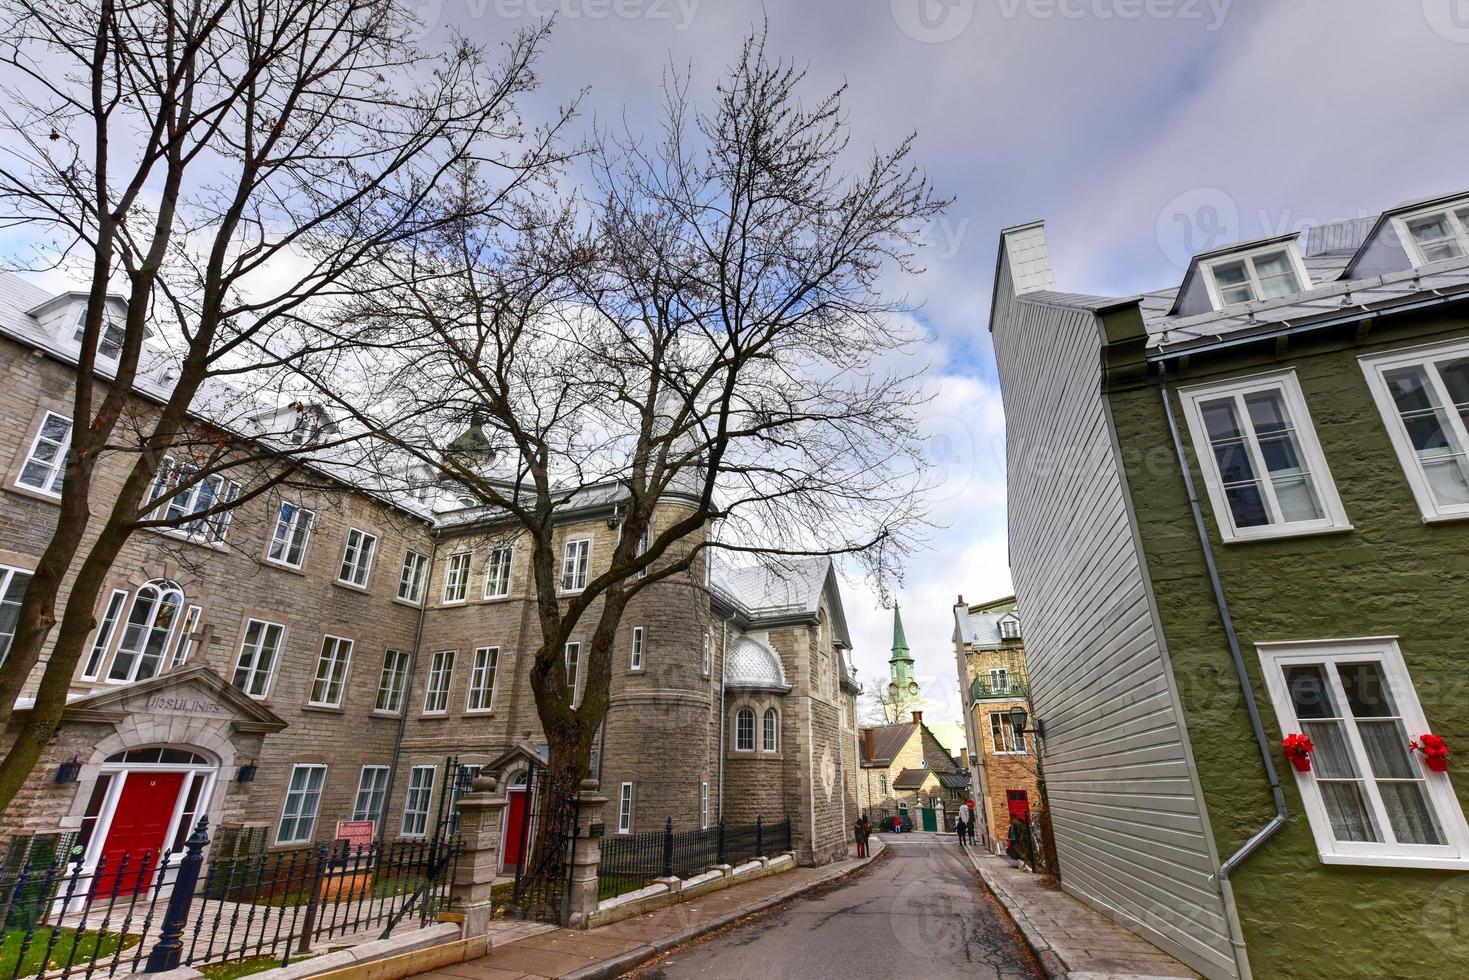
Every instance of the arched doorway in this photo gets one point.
(143, 806)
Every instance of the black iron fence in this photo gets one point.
(144, 913)
(633, 861)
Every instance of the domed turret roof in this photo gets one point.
(750, 665)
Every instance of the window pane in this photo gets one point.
(1408, 810)
(1347, 812)
(1367, 691)
(1294, 489)
(1455, 375)
(1309, 692)
(1230, 273)
(1387, 749)
(1276, 274)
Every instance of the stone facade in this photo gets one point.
(669, 730)
(890, 751)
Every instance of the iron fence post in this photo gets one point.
(168, 951)
(313, 899)
(721, 843)
(789, 848)
(759, 836)
(668, 849)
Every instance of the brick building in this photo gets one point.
(990, 655)
(320, 657)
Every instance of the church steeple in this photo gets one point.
(900, 664)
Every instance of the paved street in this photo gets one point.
(919, 911)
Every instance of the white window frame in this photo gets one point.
(413, 577)
(113, 334)
(377, 794)
(299, 524)
(8, 574)
(440, 682)
(1013, 743)
(56, 468)
(418, 793)
(456, 578)
(184, 642)
(769, 734)
(1335, 515)
(572, 654)
(704, 806)
(639, 641)
(1454, 855)
(356, 563)
(208, 530)
(1248, 256)
(253, 670)
(743, 712)
(495, 570)
(1411, 245)
(708, 653)
(162, 588)
(482, 674)
(1375, 366)
(624, 809)
(392, 681)
(333, 667)
(301, 794)
(999, 679)
(576, 561)
(106, 629)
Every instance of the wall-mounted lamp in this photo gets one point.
(246, 773)
(68, 772)
(1018, 718)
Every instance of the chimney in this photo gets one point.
(917, 717)
(869, 746)
(1029, 261)
(960, 601)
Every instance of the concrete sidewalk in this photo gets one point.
(614, 949)
(1068, 937)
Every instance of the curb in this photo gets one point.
(620, 964)
(1050, 961)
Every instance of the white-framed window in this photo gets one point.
(412, 578)
(292, 532)
(635, 660)
(1435, 234)
(1368, 797)
(1004, 736)
(999, 680)
(645, 541)
(704, 805)
(1262, 465)
(1009, 628)
(573, 666)
(45, 465)
(372, 791)
(185, 644)
(1261, 273)
(100, 643)
(624, 809)
(456, 577)
(882, 783)
(392, 682)
(148, 633)
(13, 582)
(331, 672)
(357, 558)
(260, 648)
(770, 731)
(576, 558)
(497, 572)
(745, 730)
(708, 653)
(415, 804)
(109, 344)
(194, 498)
(1423, 395)
(440, 676)
(303, 798)
(482, 679)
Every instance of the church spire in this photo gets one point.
(900, 664)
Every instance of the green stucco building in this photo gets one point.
(1238, 512)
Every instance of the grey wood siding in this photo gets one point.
(1128, 817)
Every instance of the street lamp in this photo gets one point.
(1018, 718)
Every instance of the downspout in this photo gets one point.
(1262, 742)
(433, 550)
(723, 649)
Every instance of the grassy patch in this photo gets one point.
(69, 947)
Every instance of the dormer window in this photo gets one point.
(1009, 628)
(109, 345)
(1258, 275)
(1430, 236)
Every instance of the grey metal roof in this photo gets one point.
(979, 625)
(750, 665)
(887, 741)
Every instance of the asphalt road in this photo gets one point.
(919, 911)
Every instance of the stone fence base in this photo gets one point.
(671, 891)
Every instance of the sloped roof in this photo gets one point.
(958, 779)
(979, 625)
(911, 778)
(750, 665)
(887, 742)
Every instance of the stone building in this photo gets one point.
(990, 656)
(907, 773)
(322, 656)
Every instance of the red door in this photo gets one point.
(514, 827)
(139, 822)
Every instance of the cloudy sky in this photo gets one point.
(1141, 130)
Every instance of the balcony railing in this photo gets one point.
(1011, 687)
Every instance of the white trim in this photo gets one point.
(624, 808)
(574, 669)
(637, 649)
(754, 722)
(377, 816)
(321, 659)
(357, 562)
(106, 629)
(315, 810)
(586, 576)
(255, 664)
(400, 690)
(492, 670)
(1248, 256)
(428, 802)
(302, 513)
(509, 550)
(1411, 245)
(459, 561)
(448, 675)
(1304, 429)
(1454, 854)
(1373, 367)
(55, 469)
(422, 571)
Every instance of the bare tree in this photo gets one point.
(884, 703)
(704, 332)
(224, 164)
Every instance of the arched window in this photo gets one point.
(149, 629)
(771, 725)
(745, 730)
(882, 783)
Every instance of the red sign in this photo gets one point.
(357, 833)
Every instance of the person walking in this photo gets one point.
(973, 819)
(862, 829)
(960, 827)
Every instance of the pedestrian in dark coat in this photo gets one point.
(863, 830)
(961, 827)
